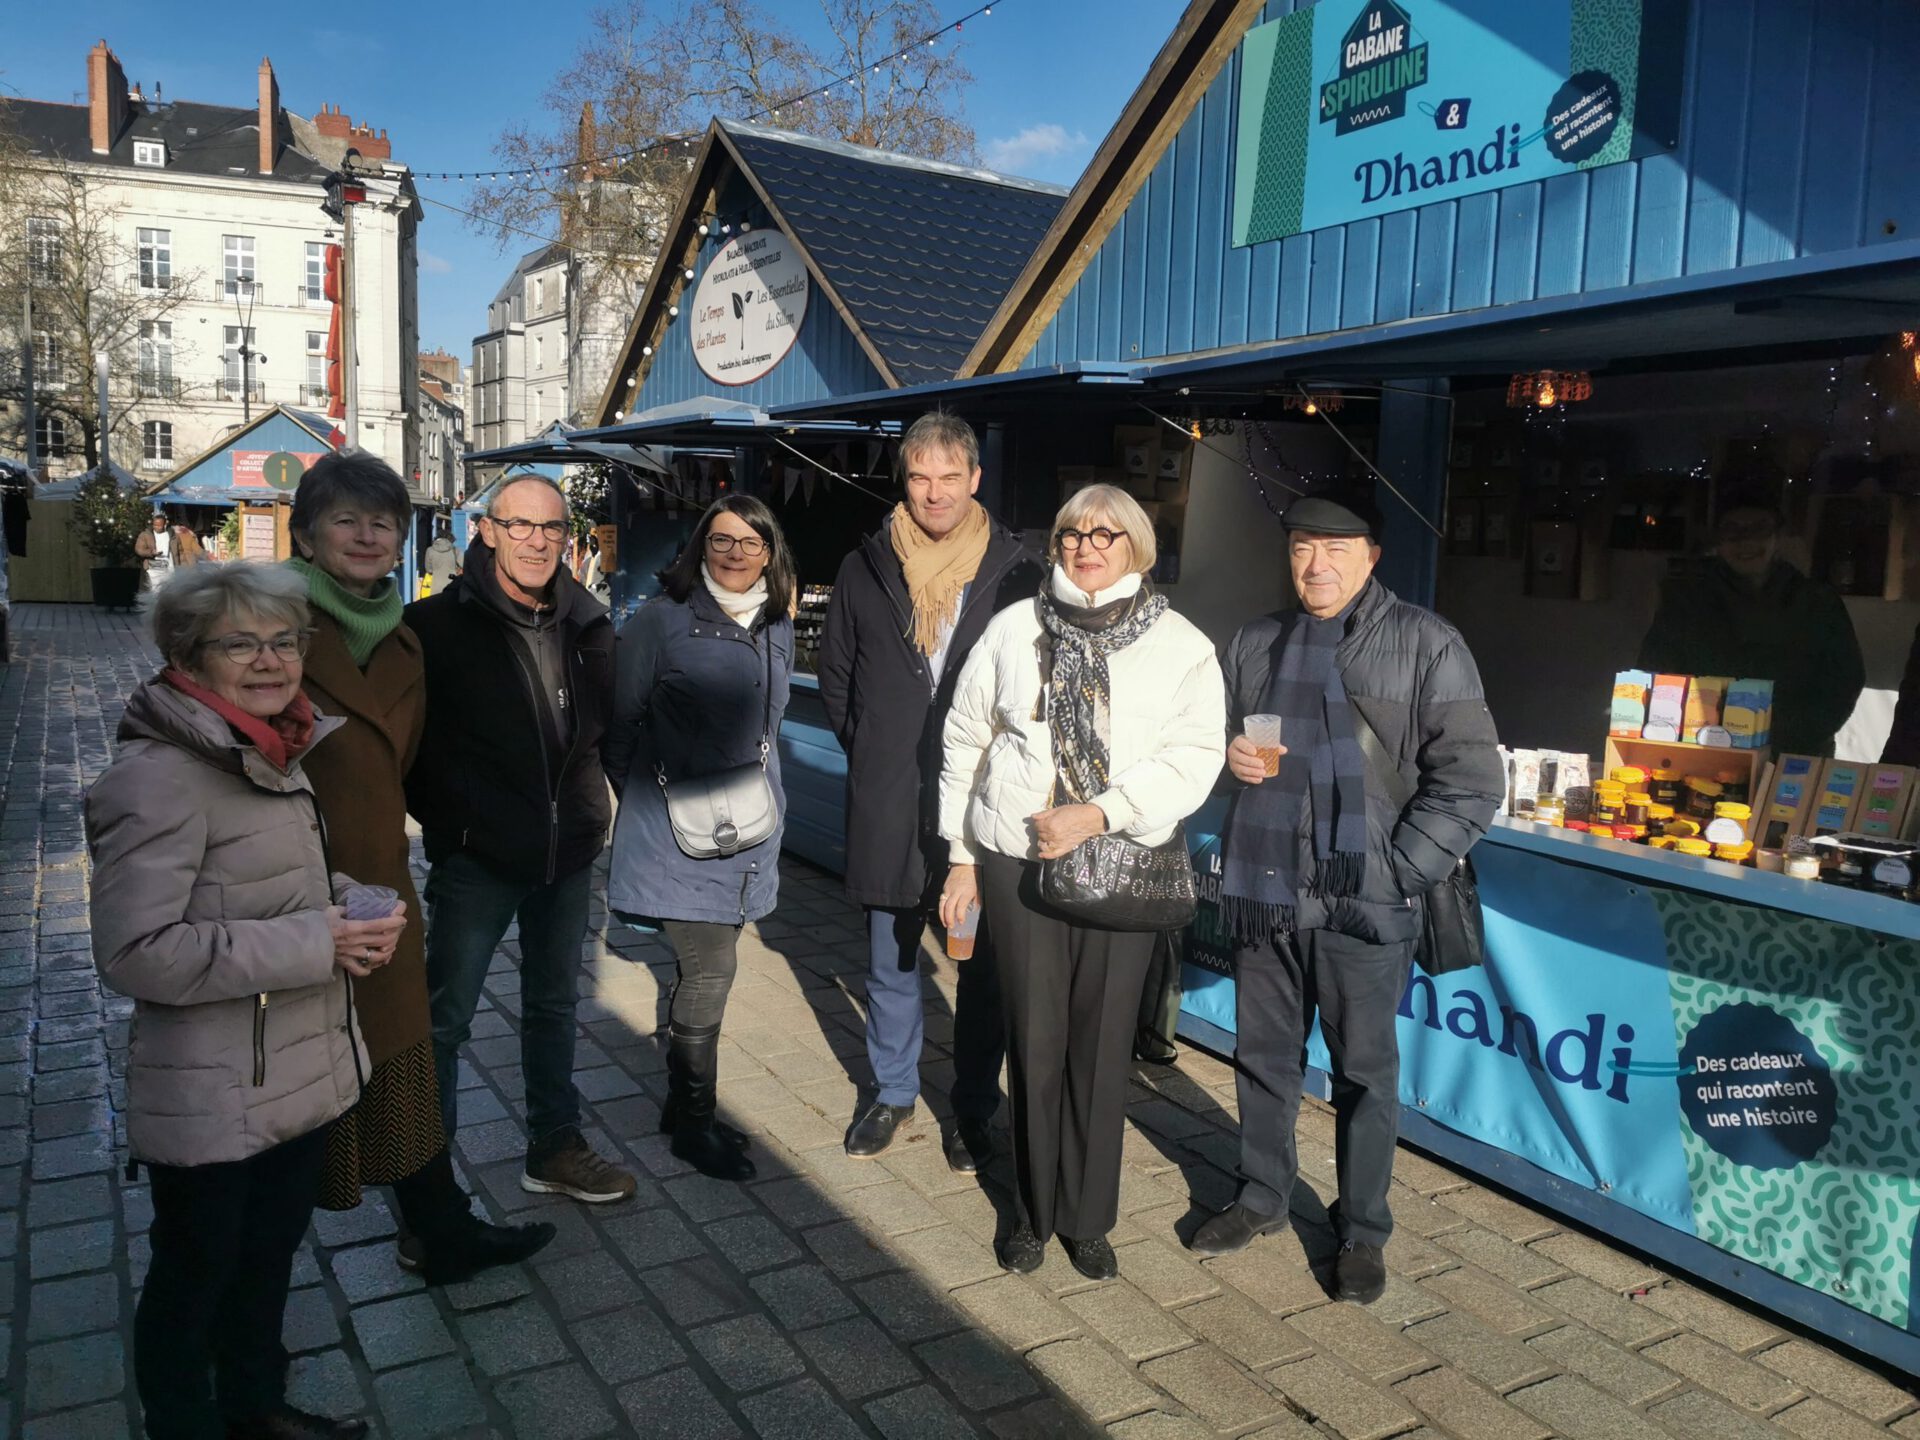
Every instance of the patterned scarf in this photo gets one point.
(1324, 769)
(939, 571)
(1079, 690)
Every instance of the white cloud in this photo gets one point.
(1017, 154)
(434, 264)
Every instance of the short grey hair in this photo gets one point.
(534, 477)
(190, 608)
(939, 430)
(348, 477)
(1120, 511)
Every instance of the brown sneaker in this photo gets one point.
(566, 1165)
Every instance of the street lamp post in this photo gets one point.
(244, 286)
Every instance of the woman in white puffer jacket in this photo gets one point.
(1094, 677)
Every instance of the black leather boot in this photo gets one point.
(449, 1243)
(693, 1066)
(732, 1134)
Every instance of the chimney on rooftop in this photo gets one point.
(269, 117)
(335, 125)
(107, 106)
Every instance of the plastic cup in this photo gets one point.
(960, 937)
(368, 902)
(1264, 732)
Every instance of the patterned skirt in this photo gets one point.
(390, 1134)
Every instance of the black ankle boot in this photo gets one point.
(732, 1134)
(449, 1243)
(693, 1065)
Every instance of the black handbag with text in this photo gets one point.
(1119, 884)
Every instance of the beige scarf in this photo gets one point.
(939, 570)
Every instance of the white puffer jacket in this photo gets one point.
(1168, 743)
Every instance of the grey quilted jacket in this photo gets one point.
(209, 906)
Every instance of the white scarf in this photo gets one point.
(1068, 593)
(742, 606)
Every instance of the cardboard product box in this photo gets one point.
(1706, 701)
(1788, 800)
(1629, 714)
(1666, 708)
(1884, 799)
(1748, 718)
(1837, 797)
(1136, 451)
(1074, 478)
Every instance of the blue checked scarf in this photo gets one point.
(1323, 769)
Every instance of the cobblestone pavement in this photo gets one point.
(832, 1297)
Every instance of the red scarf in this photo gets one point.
(282, 739)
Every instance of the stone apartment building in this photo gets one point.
(443, 426)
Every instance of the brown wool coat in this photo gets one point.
(356, 778)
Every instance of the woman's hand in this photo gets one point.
(1060, 829)
(961, 890)
(1243, 759)
(362, 946)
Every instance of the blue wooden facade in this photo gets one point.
(208, 480)
(1797, 125)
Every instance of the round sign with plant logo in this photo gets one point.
(748, 307)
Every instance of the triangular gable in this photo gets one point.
(1200, 47)
(276, 428)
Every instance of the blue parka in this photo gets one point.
(690, 688)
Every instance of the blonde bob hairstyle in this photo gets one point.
(1113, 507)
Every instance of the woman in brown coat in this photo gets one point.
(350, 517)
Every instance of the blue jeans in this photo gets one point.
(469, 907)
(896, 1021)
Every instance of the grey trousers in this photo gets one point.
(709, 956)
(1355, 988)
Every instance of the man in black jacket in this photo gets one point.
(1323, 873)
(513, 806)
(907, 607)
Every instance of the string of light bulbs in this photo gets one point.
(579, 169)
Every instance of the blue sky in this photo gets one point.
(1050, 77)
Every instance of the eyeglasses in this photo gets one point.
(519, 529)
(748, 545)
(244, 649)
(1101, 538)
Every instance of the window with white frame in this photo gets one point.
(315, 287)
(232, 362)
(156, 357)
(316, 387)
(156, 442)
(150, 152)
(43, 249)
(236, 261)
(156, 259)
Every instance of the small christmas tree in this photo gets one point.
(109, 520)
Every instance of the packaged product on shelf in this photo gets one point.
(1784, 810)
(1666, 708)
(1629, 714)
(1706, 699)
(1836, 799)
(1748, 718)
(1884, 801)
(1572, 784)
(1526, 781)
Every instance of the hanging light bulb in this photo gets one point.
(1547, 398)
(703, 228)
(646, 349)
(1194, 429)
(674, 311)
(1310, 407)
(689, 274)
(632, 380)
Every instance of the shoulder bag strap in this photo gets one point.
(766, 721)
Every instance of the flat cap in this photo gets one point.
(1333, 512)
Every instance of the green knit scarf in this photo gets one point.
(364, 621)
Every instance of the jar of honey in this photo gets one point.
(1737, 854)
(1630, 777)
(1702, 796)
(1550, 810)
(1698, 848)
(1661, 842)
(1733, 785)
(1639, 804)
(1665, 785)
(1803, 865)
(1729, 823)
(1658, 815)
(1625, 831)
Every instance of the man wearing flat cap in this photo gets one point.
(1324, 870)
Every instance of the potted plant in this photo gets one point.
(108, 521)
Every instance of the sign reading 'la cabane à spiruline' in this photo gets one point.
(748, 308)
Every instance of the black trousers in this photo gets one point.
(1072, 1000)
(709, 956)
(1355, 987)
(206, 1335)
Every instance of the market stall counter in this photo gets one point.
(1715, 1064)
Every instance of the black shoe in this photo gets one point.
(472, 1247)
(969, 1146)
(732, 1134)
(1021, 1252)
(1233, 1229)
(873, 1131)
(693, 1069)
(287, 1423)
(701, 1145)
(1092, 1258)
(1360, 1273)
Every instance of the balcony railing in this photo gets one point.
(230, 389)
(158, 387)
(311, 395)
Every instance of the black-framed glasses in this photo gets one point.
(244, 649)
(1100, 537)
(747, 545)
(519, 529)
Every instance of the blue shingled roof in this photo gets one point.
(920, 253)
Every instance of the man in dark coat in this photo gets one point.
(1747, 614)
(907, 607)
(513, 805)
(1323, 872)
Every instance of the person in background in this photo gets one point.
(1744, 612)
(442, 561)
(350, 518)
(512, 800)
(1322, 872)
(907, 608)
(155, 550)
(187, 549)
(1092, 709)
(1903, 740)
(212, 908)
(701, 687)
